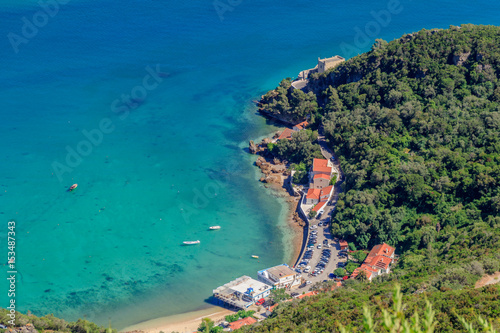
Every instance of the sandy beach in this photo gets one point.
(182, 323)
(298, 230)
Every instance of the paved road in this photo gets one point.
(324, 231)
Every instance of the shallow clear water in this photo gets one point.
(176, 163)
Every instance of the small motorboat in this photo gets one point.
(191, 242)
(72, 187)
(215, 227)
(255, 257)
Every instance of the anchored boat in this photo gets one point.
(191, 242)
(255, 257)
(72, 187)
(215, 227)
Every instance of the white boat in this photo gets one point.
(255, 257)
(191, 242)
(215, 227)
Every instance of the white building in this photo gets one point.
(280, 276)
(242, 292)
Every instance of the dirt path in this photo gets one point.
(488, 279)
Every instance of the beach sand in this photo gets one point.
(182, 323)
(298, 231)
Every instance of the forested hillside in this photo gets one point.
(415, 124)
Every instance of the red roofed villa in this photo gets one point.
(377, 262)
(321, 173)
(320, 191)
(242, 322)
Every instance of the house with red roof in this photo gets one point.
(320, 191)
(377, 262)
(318, 208)
(312, 196)
(300, 126)
(286, 134)
(240, 323)
(318, 197)
(344, 246)
(325, 194)
(321, 173)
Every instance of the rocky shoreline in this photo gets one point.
(277, 176)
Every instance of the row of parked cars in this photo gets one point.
(325, 258)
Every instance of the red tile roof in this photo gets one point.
(319, 163)
(379, 250)
(302, 125)
(322, 175)
(242, 322)
(286, 134)
(323, 169)
(343, 243)
(364, 266)
(312, 293)
(319, 206)
(326, 190)
(380, 262)
(377, 259)
(368, 272)
(313, 193)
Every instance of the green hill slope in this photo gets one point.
(415, 124)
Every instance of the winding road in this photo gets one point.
(323, 232)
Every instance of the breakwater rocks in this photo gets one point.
(259, 148)
(273, 170)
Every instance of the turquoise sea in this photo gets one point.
(163, 166)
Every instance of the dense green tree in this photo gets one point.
(415, 125)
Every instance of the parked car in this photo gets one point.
(260, 301)
(294, 294)
(319, 246)
(308, 282)
(298, 270)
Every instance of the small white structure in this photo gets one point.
(280, 276)
(242, 292)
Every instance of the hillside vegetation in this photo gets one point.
(415, 124)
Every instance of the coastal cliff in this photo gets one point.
(415, 125)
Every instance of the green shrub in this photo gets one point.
(351, 266)
(339, 272)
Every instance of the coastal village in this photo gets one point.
(248, 293)
(315, 206)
